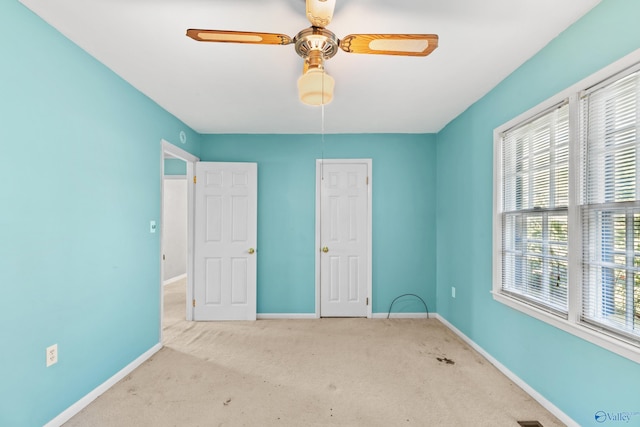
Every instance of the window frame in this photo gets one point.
(572, 321)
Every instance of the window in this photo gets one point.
(610, 204)
(567, 210)
(535, 158)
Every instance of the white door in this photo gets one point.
(225, 241)
(344, 238)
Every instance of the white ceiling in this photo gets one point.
(237, 88)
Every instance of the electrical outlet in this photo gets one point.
(453, 292)
(52, 355)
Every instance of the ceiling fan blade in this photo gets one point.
(390, 44)
(320, 12)
(223, 36)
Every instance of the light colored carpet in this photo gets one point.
(327, 372)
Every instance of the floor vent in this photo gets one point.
(530, 423)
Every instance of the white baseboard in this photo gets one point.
(174, 279)
(403, 315)
(72, 410)
(513, 377)
(270, 316)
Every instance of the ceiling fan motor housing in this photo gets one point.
(315, 43)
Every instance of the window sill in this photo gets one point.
(593, 336)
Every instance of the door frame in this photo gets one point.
(190, 159)
(319, 164)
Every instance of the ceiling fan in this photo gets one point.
(317, 44)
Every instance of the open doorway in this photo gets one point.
(174, 242)
(176, 220)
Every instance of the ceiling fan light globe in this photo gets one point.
(315, 87)
(320, 12)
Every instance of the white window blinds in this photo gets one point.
(610, 204)
(535, 192)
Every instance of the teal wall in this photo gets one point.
(576, 376)
(403, 213)
(79, 183)
(175, 167)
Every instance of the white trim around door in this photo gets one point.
(318, 241)
(169, 149)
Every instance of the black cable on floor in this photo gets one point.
(406, 295)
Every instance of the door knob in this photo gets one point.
(251, 251)
(325, 249)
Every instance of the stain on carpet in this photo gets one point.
(445, 360)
